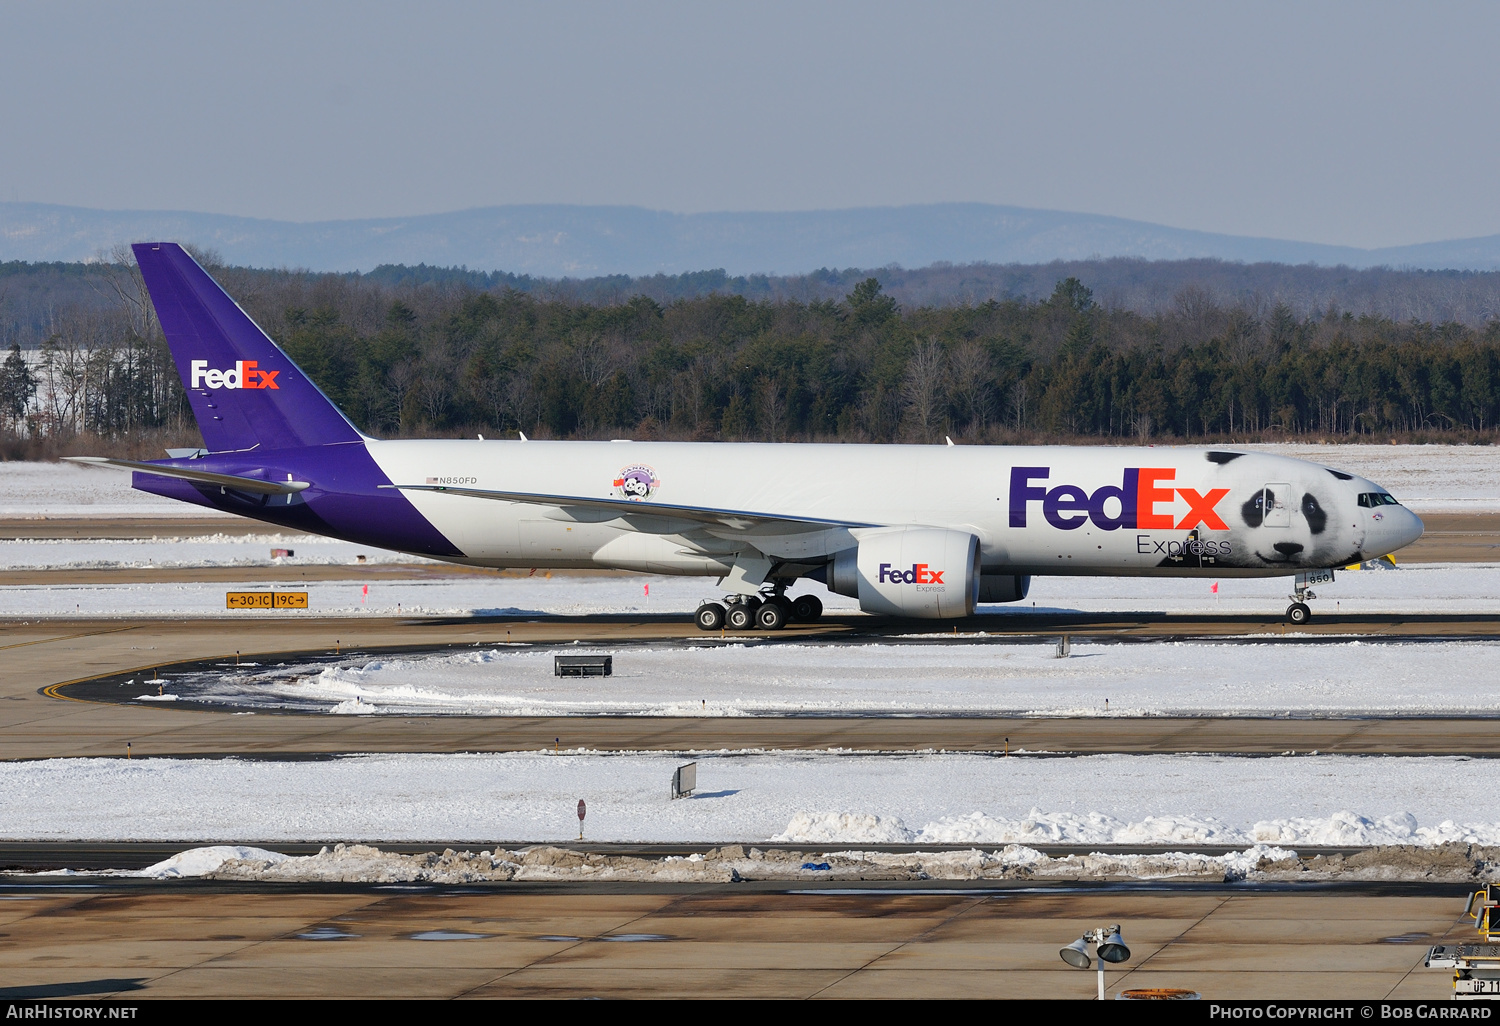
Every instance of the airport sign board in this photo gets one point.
(265, 600)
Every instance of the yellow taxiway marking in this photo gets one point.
(70, 637)
(51, 689)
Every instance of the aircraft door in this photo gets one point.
(1276, 501)
(545, 540)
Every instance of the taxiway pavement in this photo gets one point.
(43, 715)
(201, 939)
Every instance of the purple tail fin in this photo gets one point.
(243, 389)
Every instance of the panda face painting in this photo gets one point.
(1317, 520)
(1254, 509)
(1294, 524)
(1194, 512)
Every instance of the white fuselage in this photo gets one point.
(1035, 510)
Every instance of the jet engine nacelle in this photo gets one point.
(910, 571)
(999, 587)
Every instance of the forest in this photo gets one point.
(414, 352)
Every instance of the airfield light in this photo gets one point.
(1113, 948)
(1077, 953)
(1107, 942)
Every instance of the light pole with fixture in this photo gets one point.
(1108, 944)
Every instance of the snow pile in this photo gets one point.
(1038, 827)
(1455, 863)
(845, 828)
(1259, 858)
(210, 860)
(1346, 829)
(354, 707)
(1340, 830)
(1238, 865)
(365, 864)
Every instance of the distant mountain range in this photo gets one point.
(583, 241)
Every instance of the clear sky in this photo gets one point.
(1361, 123)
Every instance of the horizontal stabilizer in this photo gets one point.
(257, 485)
(732, 518)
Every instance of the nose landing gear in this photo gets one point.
(1299, 613)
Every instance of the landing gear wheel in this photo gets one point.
(806, 608)
(1298, 613)
(740, 617)
(771, 616)
(710, 616)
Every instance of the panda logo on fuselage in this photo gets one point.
(637, 483)
(1288, 523)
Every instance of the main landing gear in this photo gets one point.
(767, 612)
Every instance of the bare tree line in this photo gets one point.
(438, 355)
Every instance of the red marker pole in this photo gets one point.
(582, 811)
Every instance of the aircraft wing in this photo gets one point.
(260, 486)
(735, 519)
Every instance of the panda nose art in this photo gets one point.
(1288, 548)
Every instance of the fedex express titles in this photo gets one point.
(1132, 504)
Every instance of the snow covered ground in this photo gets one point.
(544, 594)
(70, 490)
(1426, 587)
(814, 798)
(946, 677)
(1432, 478)
(206, 550)
(1427, 478)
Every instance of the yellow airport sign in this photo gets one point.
(265, 600)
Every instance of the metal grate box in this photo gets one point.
(583, 665)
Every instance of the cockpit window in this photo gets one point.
(1372, 499)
